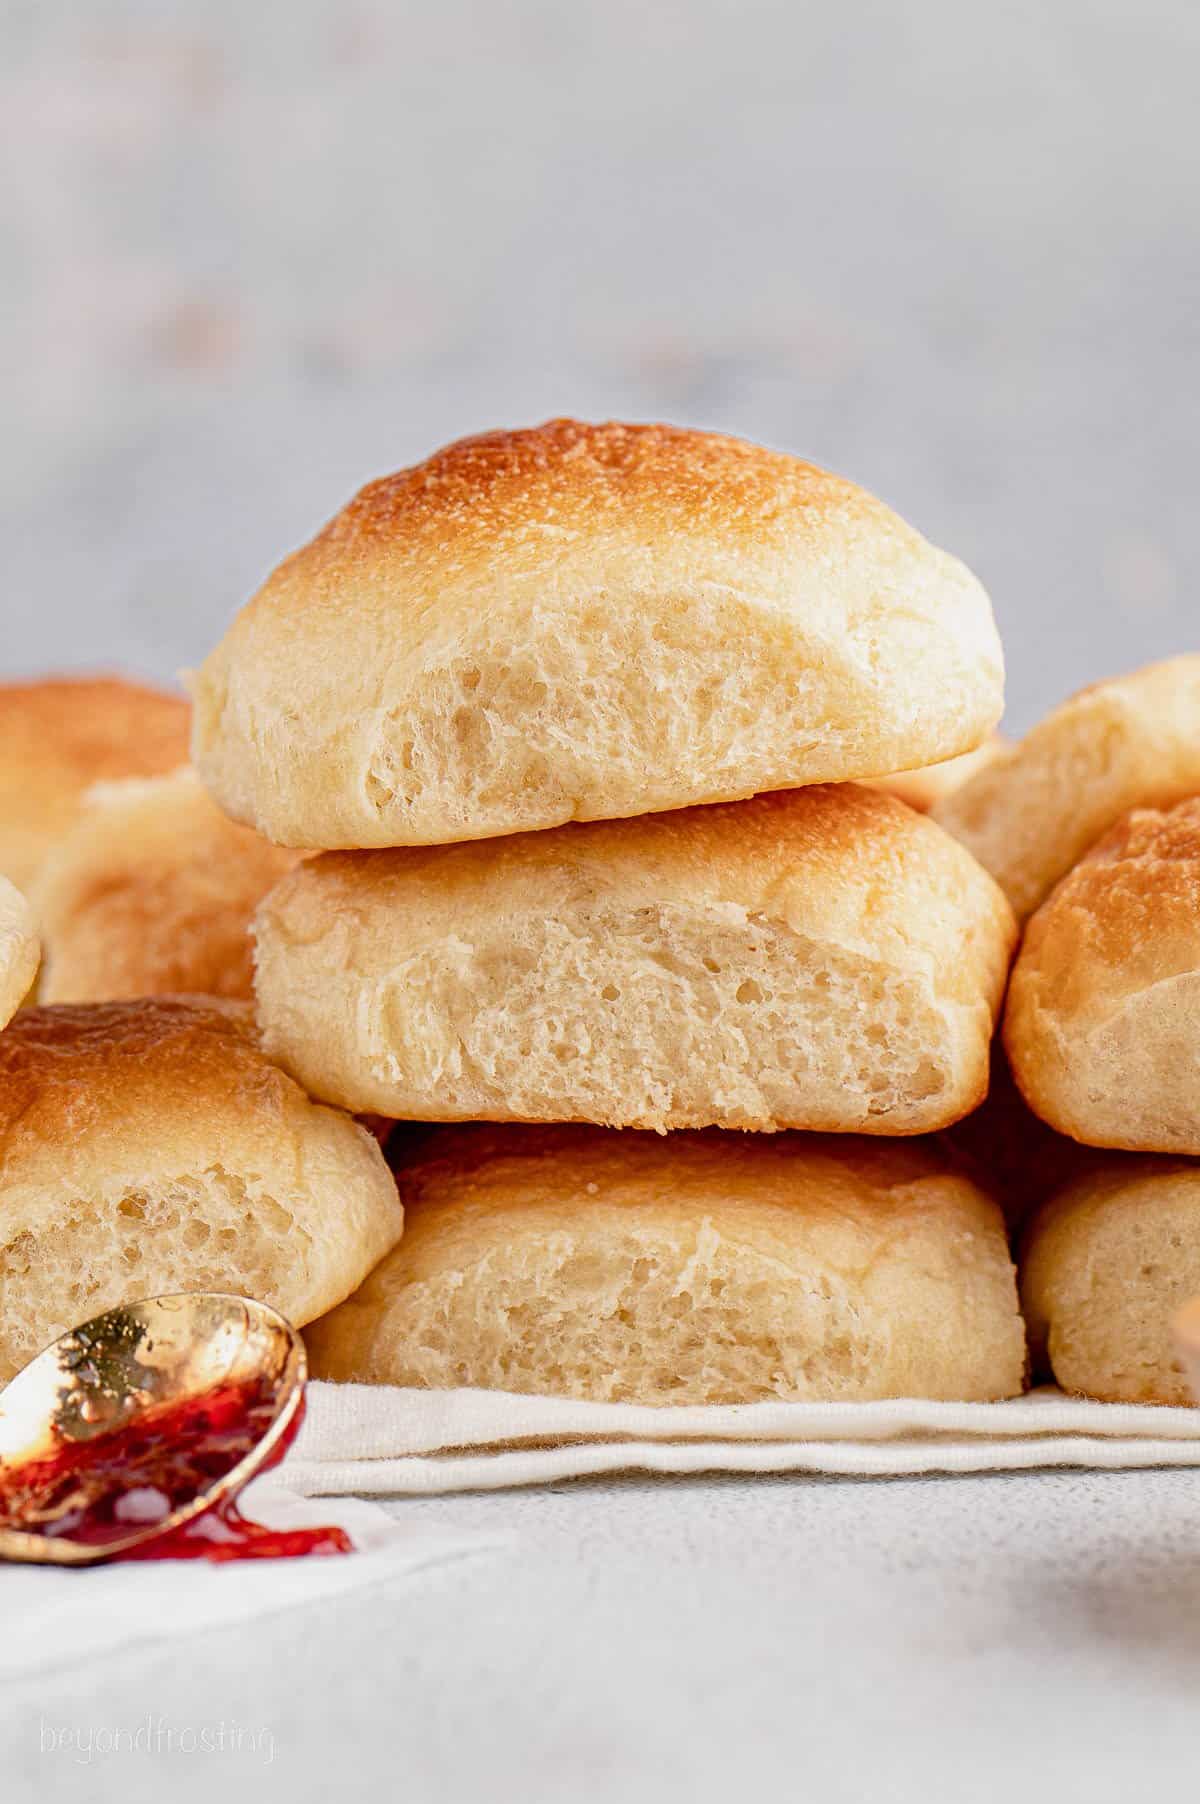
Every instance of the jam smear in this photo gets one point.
(223, 1533)
(97, 1489)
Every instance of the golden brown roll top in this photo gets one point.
(60, 735)
(148, 1147)
(822, 958)
(1103, 1017)
(691, 1268)
(579, 622)
(151, 892)
(1032, 812)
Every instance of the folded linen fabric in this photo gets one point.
(384, 1440)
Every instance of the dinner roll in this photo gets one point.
(60, 735)
(1031, 813)
(818, 958)
(695, 1268)
(1103, 1018)
(579, 622)
(921, 789)
(151, 892)
(1104, 1267)
(148, 1147)
(19, 950)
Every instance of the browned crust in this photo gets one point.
(487, 488)
(150, 893)
(61, 734)
(93, 726)
(1122, 923)
(64, 1068)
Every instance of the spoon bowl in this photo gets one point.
(140, 1421)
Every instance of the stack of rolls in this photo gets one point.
(677, 1007)
(620, 809)
(1092, 827)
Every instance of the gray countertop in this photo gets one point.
(981, 1638)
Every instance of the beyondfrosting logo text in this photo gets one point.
(155, 1735)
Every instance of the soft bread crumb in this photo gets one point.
(204, 1231)
(692, 1269)
(20, 950)
(150, 1146)
(822, 958)
(1105, 1266)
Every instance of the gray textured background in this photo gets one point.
(253, 254)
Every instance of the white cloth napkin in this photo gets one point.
(55, 1617)
(384, 1440)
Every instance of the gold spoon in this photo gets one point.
(142, 1420)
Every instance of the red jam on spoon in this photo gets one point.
(184, 1455)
